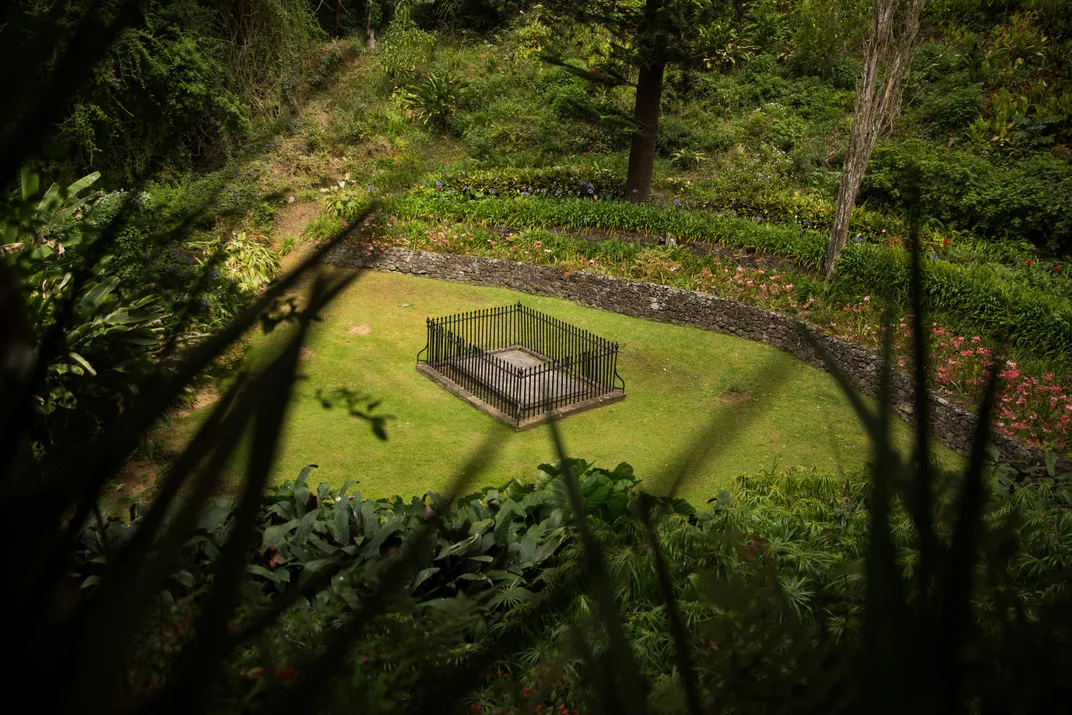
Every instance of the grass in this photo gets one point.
(788, 413)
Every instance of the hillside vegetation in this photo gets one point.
(171, 349)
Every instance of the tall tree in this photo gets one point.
(888, 53)
(645, 36)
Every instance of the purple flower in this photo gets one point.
(439, 184)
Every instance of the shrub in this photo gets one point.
(1028, 200)
(405, 53)
(821, 30)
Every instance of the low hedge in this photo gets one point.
(567, 180)
(1008, 312)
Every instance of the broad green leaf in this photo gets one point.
(82, 361)
(84, 183)
(99, 293)
(263, 572)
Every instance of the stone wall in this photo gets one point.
(950, 424)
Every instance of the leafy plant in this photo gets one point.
(287, 247)
(110, 342)
(434, 99)
(33, 217)
(246, 260)
(346, 203)
(688, 158)
(110, 335)
(405, 53)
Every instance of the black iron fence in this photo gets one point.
(520, 361)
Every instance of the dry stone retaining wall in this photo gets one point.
(951, 425)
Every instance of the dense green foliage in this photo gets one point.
(1027, 202)
(501, 554)
(183, 85)
(902, 590)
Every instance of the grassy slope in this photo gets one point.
(787, 412)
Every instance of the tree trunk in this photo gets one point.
(370, 37)
(649, 94)
(852, 176)
(890, 45)
(338, 11)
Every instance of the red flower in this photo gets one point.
(1056, 269)
(1029, 261)
(947, 241)
(285, 674)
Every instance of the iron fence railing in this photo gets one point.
(520, 361)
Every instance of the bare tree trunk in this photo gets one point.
(888, 52)
(338, 11)
(649, 94)
(370, 38)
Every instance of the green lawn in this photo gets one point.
(774, 410)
